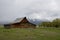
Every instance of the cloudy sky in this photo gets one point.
(35, 9)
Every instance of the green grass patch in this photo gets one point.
(30, 34)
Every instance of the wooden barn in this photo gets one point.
(20, 23)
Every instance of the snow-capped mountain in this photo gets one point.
(38, 21)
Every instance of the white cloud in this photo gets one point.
(39, 9)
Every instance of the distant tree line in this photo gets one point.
(54, 23)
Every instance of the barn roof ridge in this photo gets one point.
(18, 19)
